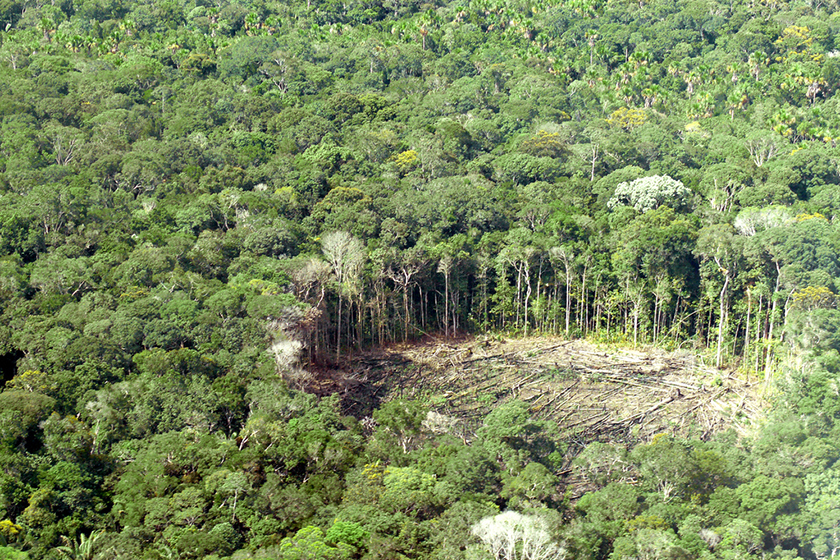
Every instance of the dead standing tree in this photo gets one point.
(346, 255)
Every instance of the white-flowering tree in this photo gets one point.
(649, 193)
(751, 221)
(514, 536)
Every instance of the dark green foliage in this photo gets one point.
(170, 170)
(23, 411)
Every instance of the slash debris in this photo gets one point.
(593, 393)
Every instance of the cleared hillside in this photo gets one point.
(594, 393)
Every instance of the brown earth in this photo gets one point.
(594, 393)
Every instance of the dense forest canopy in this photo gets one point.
(203, 204)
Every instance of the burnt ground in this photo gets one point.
(593, 393)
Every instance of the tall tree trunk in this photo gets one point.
(566, 257)
(406, 313)
(446, 305)
(722, 318)
(758, 332)
(676, 322)
(582, 302)
(768, 363)
(445, 266)
(656, 303)
(360, 311)
(527, 274)
(746, 354)
(456, 295)
(709, 325)
(338, 333)
(424, 310)
(518, 291)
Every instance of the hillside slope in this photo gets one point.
(593, 393)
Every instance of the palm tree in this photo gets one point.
(83, 549)
(47, 26)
